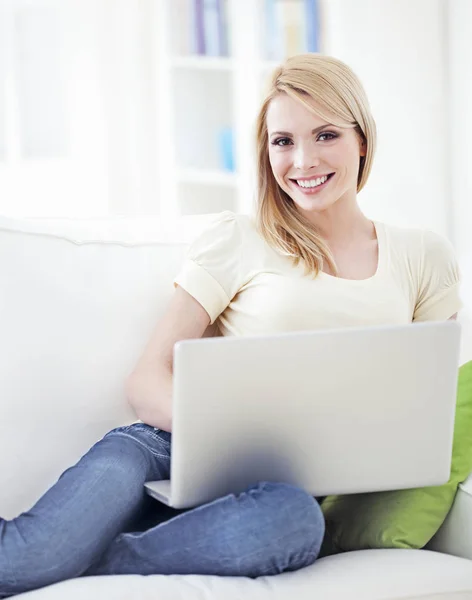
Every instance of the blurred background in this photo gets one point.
(146, 107)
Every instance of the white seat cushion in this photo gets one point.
(363, 575)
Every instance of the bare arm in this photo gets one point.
(149, 386)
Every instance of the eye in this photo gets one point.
(281, 141)
(331, 136)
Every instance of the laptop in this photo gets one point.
(334, 411)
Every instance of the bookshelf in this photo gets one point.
(207, 104)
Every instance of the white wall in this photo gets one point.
(459, 134)
(71, 181)
(126, 56)
(108, 77)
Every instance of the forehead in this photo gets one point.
(288, 114)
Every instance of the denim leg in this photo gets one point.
(270, 528)
(79, 516)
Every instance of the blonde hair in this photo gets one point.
(342, 101)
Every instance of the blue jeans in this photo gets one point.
(97, 520)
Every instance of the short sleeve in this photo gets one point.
(439, 280)
(213, 271)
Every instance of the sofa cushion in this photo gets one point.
(363, 575)
(405, 518)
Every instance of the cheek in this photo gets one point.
(279, 163)
(335, 155)
(344, 155)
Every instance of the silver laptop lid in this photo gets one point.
(335, 411)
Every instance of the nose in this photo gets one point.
(305, 157)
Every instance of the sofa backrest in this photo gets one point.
(78, 301)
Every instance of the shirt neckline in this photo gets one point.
(380, 260)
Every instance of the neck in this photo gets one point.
(341, 222)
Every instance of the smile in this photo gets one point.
(310, 186)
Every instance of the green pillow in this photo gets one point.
(404, 518)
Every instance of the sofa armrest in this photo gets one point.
(455, 535)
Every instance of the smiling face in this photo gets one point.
(314, 162)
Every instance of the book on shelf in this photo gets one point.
(292, 27)
(197, 24)
(313, 26)
(293, 19)
(208, 27)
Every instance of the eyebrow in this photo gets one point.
(312, 131)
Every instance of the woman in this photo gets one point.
(311, 259)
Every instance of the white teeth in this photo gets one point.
(311, 183)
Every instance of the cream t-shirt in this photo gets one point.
(248, 288)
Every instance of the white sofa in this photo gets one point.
(78, 300)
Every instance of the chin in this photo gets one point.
(314, 205)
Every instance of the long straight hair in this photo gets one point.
(340, 99)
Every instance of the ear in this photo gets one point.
(363, 148)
